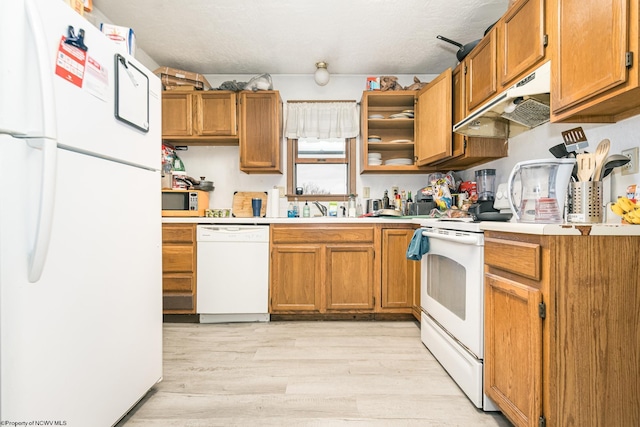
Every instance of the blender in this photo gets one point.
(483, 209)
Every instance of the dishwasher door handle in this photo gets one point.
(234, 229)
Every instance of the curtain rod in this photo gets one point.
(321, 101)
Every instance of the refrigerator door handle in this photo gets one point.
(45, 140)
(38, 252)
(45, 75)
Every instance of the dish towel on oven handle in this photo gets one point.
(418, 246)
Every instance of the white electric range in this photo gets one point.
(452, 300)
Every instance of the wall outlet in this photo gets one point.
(631, 167)
(394, 189)
(281, 189)
(366, 192)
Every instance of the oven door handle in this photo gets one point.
(464, 239)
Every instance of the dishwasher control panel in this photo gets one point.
(233, 233)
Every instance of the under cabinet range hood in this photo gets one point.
(523, 106)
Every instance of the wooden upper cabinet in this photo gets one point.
(434, 120)
(465, 151)
(216, 113)
(177, 114)
(521, 40)
(481, 79)
(261, 132)
(595, 73)
(459, 107)
(390, 137)
(199, 117)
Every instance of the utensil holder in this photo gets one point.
(586, 202)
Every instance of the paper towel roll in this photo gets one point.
(273, 203)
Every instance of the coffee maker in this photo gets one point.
(483, 209)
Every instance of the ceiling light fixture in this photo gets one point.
(322, 74)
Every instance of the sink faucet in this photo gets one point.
(322, 208)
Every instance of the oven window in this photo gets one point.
(446, 283)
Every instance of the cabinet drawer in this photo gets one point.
(178, 258)
(178, 303)
(521, 258)
(178, 233)
(322, 235)
(180, 283)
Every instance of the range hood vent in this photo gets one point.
(523, 106)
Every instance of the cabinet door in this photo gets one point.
(592, 39)
(397, 271)
(459, 107)
(481, 80)
(295, 278)
(260, 132)
(434, 120)
(513, 349)
(216, 113)
(349, 277)
(521, 36)
(177, 114)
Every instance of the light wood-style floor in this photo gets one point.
(365, 373)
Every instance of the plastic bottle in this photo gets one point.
(305, 210)
(296, 208)
(385, 200)
(352, 206)
(359, 209)
(290, 213)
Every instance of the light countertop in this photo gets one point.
(312, 220)
(566, 229)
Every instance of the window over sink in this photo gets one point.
(321, 142)
(322, 167)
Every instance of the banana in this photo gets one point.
(634, 216)
(626, 204)
(617, 209)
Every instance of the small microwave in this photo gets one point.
(184, 202)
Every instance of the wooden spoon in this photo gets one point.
(586, 166)
(602, 151)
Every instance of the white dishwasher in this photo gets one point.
(233, 273)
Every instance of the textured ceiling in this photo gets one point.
(374, 37)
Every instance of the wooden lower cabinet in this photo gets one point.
(322, 269)
(342, 269)
(561, 329)
(179, 268)
(349, 279)
(513, 338)
(400, 276)
(296, 274)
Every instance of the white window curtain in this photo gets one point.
(322, 120)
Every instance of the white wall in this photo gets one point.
(221, 164)
(535, 144)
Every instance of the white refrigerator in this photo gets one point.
(80, 221)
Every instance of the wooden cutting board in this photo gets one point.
(242, 203)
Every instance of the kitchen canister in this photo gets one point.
(586, 202)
